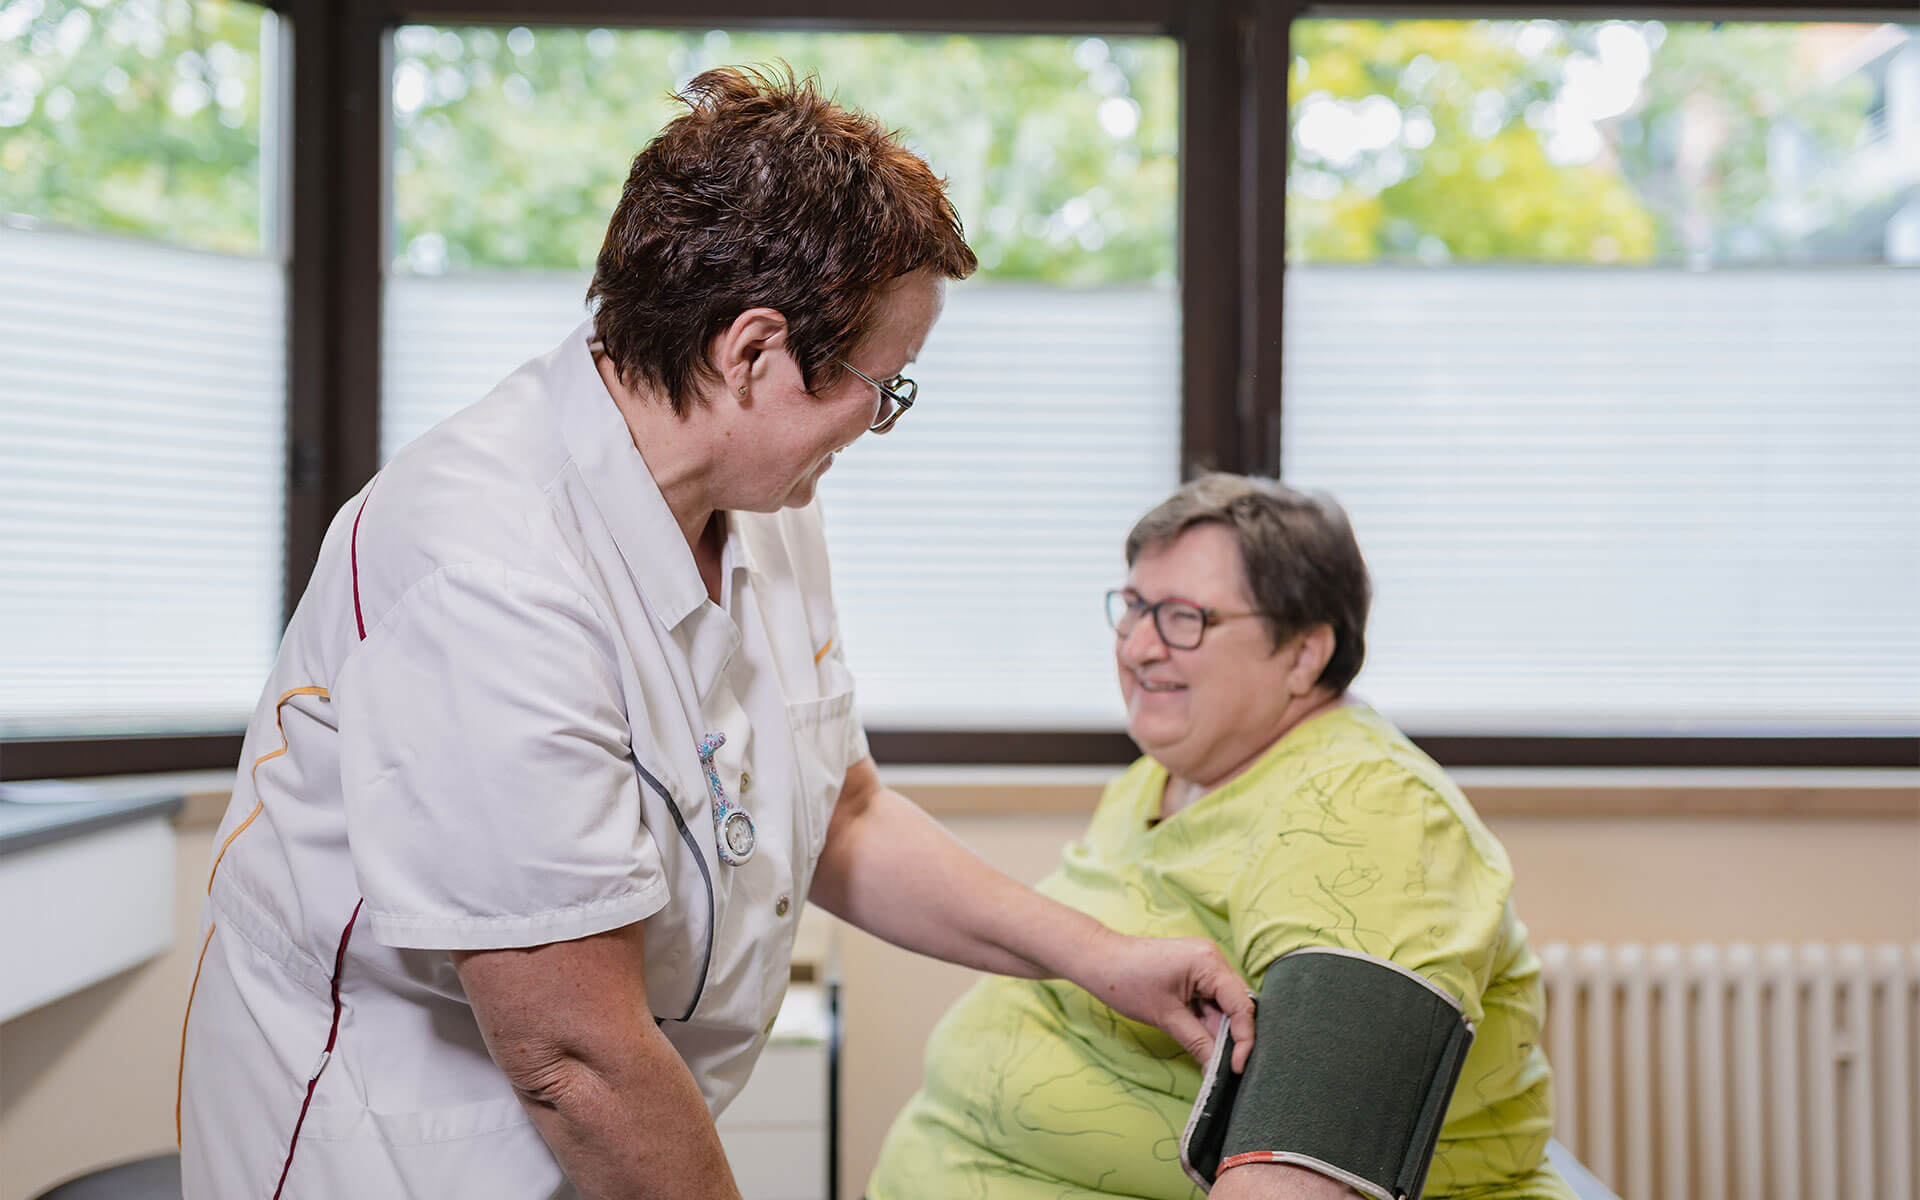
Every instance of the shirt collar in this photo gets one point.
(616, 476)
(740, 554)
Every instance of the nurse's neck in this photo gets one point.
(683, 454)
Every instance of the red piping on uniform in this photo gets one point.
(333, 1032)
(353, 561)
(340, 952)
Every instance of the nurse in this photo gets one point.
(562, 737)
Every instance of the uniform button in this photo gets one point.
(780, 907)
(745, 779)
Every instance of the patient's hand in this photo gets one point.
(1277, 1181)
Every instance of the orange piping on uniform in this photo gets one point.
(311, 690)
(822, 652)
(257, 807)
(180, 1077)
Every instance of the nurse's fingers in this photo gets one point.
(1228, 999)
(1190, 1030)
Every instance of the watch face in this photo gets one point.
(739, 833)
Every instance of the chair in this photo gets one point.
(156, 1178)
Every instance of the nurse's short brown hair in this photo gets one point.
(1302, 561)
(763, 193)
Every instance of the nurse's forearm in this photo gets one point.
(568, 1024)
(637, 1130)
(894, 871)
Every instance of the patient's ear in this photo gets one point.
(1311, 651)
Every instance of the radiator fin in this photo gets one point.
(1738, 1072)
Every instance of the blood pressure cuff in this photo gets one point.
(1354, 1060)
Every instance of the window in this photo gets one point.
(1604, 333)
(1601, 329)
(142, 379)
(972, 544)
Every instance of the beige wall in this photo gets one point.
(90, 1079)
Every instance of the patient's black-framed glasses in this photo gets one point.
(896, 397)
(1180, 623)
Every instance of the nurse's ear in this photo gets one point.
(742, 353)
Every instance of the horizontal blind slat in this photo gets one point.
(142, 459)
(1620, 495)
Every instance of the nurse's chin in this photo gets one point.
(804, 489)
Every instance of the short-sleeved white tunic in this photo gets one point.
(481, 732)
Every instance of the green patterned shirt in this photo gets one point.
(1342, 834)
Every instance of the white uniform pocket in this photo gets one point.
(823, 739)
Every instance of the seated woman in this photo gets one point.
(1281, 818)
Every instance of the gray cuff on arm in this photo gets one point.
(1354, 1060)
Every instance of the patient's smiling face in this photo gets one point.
(1204, 713)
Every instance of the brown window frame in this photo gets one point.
(1232, 220)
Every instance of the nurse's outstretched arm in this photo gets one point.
(894, 871)
(569, 1025)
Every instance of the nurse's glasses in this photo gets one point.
(896, 397)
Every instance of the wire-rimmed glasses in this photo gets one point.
(896, 397)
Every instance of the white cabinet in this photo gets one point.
(82, 908)
(777, 1132)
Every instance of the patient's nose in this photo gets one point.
(1142, 644)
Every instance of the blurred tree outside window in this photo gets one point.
(1061, 153)
(137, 117)
(1623, 142)
(1628, 142)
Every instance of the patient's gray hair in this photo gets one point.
(1303, 565)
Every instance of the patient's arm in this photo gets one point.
(1331, 1023)
(1277, 1181)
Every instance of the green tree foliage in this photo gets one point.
(1717, 107)
(136, 116)
(1421, 141)
(1544, 141)
(1434, 151)
(1062, 154)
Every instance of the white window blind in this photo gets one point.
(970, 545)
(447, 339)
(142, 454)
(1621, 497)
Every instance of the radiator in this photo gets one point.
(1735, 1072)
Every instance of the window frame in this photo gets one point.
(1234, 142)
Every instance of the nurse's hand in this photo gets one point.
(1183, 985)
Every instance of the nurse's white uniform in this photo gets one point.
(481, 732)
